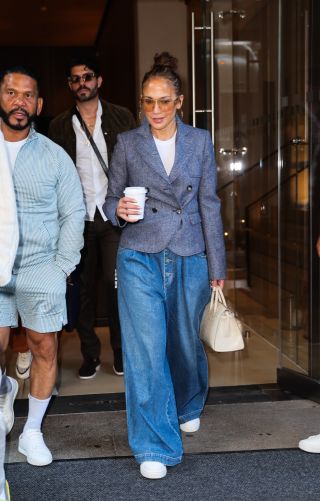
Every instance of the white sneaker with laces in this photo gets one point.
(190, 426)
(6, 404)
(310, 444)
(153, 469)
(32, 445)
(23, 364)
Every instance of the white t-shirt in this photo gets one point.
(9, 231)
(93, 179)
(167, 151)
(13, 148)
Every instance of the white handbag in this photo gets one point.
(219, 328)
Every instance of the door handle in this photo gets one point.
(210, 28)
(193, 70)
(232, 12)
(233, 152)
(297, 140)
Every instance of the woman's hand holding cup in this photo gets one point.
(131, 206)
(128, 209)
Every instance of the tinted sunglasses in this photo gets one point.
(164, 103)
(86, 77)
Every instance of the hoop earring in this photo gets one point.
(140, 115)
(181, 113)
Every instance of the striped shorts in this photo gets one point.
(38, 295)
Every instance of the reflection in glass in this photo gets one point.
(261, 143)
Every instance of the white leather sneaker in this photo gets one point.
(32, 445)
(310, 444)
(190, 426)
(153, 469)
(6, 405)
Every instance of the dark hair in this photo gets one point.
(22, 70)
(165, 65)
(88, 60)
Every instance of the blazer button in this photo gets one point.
(189, 188)
(154, 209)
(178, 211)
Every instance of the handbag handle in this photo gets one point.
(217, 295)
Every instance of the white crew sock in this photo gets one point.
(37, 409)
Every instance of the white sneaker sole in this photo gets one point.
(32, 461)
(305, 448)
(190, 426)
(152, 474)
(23, 375)
(93, 375)
(116, 372)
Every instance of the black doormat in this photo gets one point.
(116, 401)
(251, 476)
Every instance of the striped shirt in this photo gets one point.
(49, 204)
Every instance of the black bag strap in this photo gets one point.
(93, 144)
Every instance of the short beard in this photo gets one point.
(18, 126)
(83, 99)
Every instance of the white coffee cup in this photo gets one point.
(139, 194)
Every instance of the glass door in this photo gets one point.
(294, 184)
(249, 86)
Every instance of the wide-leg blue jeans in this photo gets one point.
(161, 299)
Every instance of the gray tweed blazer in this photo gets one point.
(182, 211)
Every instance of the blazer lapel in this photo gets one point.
(184, 149)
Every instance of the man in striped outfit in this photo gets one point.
(50, 212)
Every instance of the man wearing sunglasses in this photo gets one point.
(93, 119)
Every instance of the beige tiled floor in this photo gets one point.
(256, 364)
(70, 359)
(104, 382)
(259, 319)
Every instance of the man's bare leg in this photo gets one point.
(44, 364)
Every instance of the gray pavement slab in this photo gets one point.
(225, 427)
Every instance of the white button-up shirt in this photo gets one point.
(93, 179)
